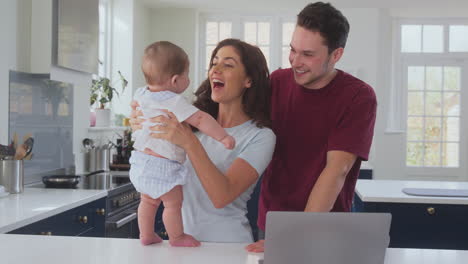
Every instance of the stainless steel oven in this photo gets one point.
(121, 220)
(122, 202)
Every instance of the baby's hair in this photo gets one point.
(161, 61)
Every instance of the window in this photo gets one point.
(271, 34)
(258, 34)
(432, 56)
(288, 28)
(458, 38)
(433, 131)
(215, 32)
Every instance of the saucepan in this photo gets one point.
(65, 181)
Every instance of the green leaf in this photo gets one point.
(102, 90)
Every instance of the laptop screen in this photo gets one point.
(300, 237)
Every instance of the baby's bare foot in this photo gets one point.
(184, 241)
(150, 240)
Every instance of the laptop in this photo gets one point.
(326, 238)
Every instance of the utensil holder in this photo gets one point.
(12, 175)
(90, 160)
(97, 159)
(103, 159)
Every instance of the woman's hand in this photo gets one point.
(135, 122)
(170, 129)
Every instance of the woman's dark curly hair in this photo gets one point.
(256, 99)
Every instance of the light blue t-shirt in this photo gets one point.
(229, 224)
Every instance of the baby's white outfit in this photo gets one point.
(152, 175)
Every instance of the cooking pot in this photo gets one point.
(65, 181)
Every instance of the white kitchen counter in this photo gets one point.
(35, 204)
(22, 249)
(390, 191)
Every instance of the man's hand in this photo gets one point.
(256, 247)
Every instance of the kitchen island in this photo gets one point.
(431, 222)
(16, 249)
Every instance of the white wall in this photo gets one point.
(23, 38)
(8, 28)
(178, 25)
(141, 38)
(41, 36)
(122, 52)
(363, 22)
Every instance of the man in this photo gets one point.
(323, 119)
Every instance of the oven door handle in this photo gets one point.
(125, 220)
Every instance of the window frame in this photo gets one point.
(399, 95)
(439, 170)
(203, 19)
(276, 33)
(272, 43)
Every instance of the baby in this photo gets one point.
(157, 169)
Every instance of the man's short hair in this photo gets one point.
(328, 21)
(161, 61)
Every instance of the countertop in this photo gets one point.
(35, 204)
(22, 249)
(390, 191)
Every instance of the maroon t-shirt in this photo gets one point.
(309, 123)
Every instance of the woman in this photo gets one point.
(237, 95)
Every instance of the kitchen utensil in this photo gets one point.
(88, 143)
(24, 149)
(12, 175)
(65, 181)
(29, 143)
(15, 140)
(6, 152)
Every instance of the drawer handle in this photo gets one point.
(101, 211)
(431, 210)
(83, 219)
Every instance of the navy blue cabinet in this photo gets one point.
(434, 226)
(85, 220)
(159, 224)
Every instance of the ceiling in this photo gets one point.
(248, 5)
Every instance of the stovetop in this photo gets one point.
(110, 181)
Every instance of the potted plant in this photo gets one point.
(102, 93)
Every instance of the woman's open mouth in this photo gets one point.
(217, 84)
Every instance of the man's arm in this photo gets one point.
(326, 189)
(330, 182)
